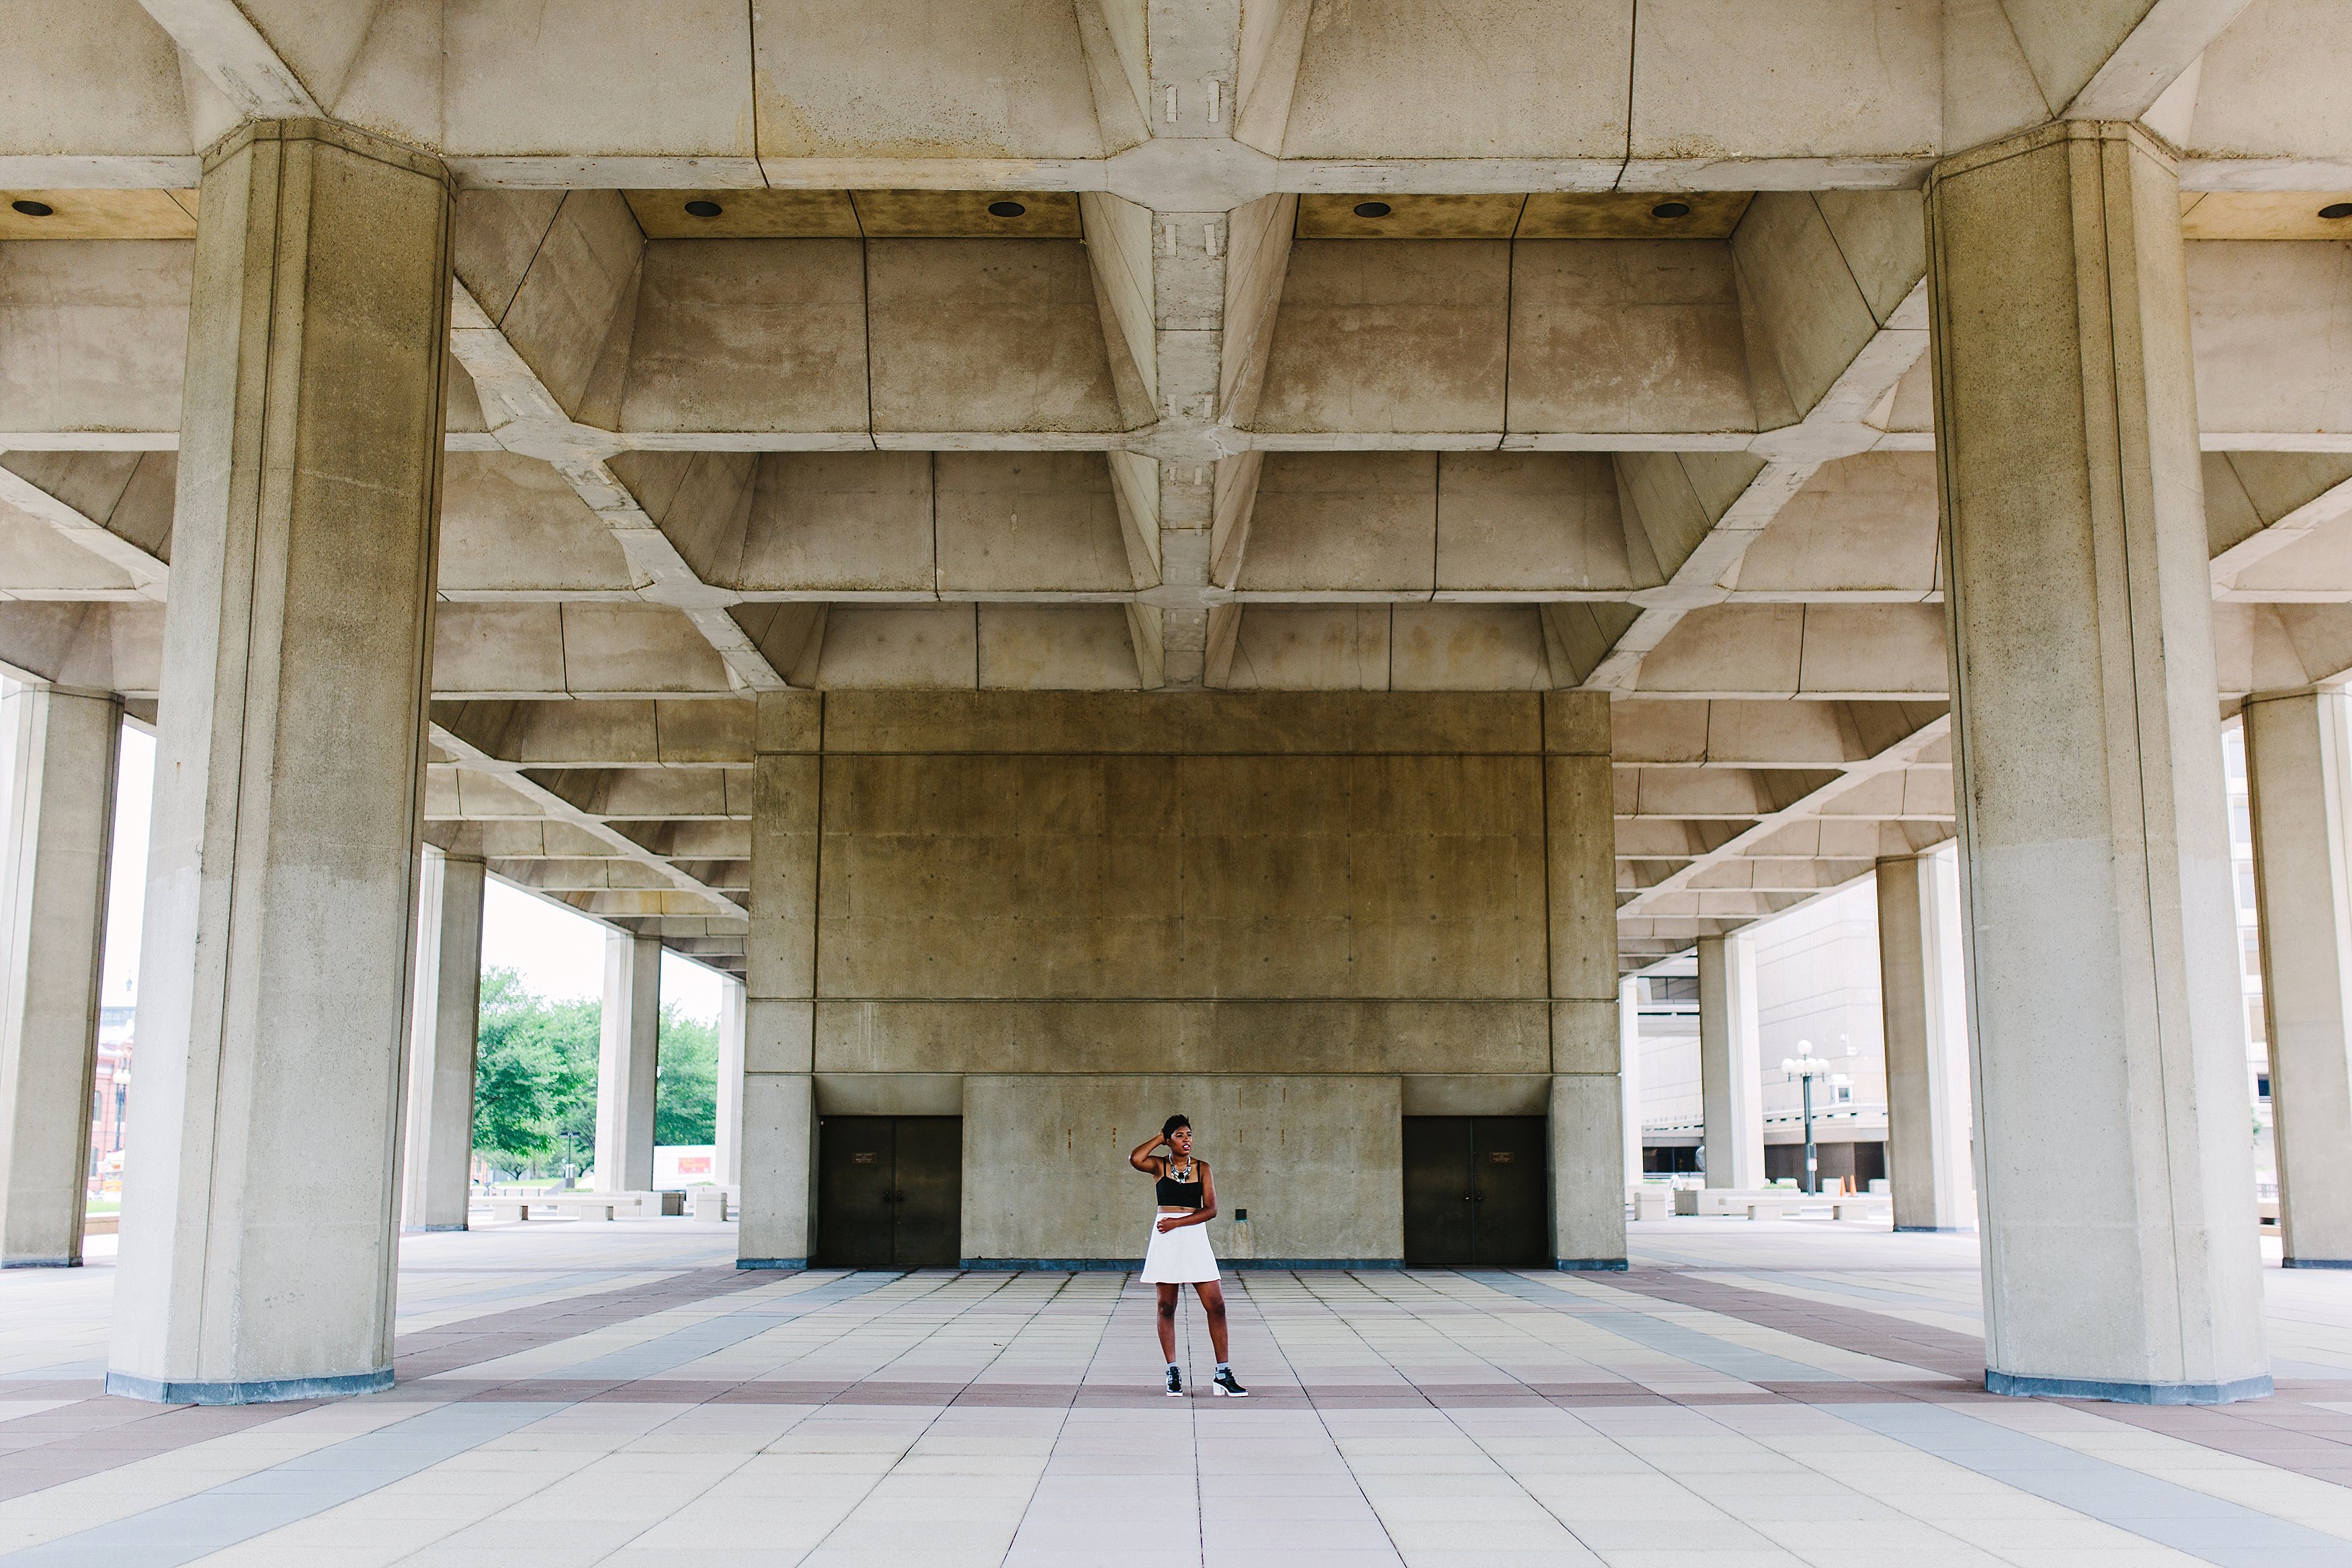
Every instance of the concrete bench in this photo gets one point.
(1778, 1209)
(1862, 1208)
(508, 1207)
(587, 1208)
(1728, 1201)
(1652, 1202)
(710, 1204)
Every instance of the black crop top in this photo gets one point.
(1174, 1193)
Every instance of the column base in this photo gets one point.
(263, 1391)
(422, 1229)
(76, 1263)
(772, 1262)
(1588, 1265)
(2315, 1262)
(1935, 1229)
(2256, 1387)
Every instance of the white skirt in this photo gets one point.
(1179, 1257)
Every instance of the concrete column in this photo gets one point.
(730, 1137)
(2298, 763)
(1588, 1115)
(628, 1063)
(1730, 1090)
(1629, 1070)
(1928, 1142)
(2103, 978)
(62, 750)
(778, 1229)
(437, 1166)
(259, 1227)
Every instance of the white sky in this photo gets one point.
(560, 952)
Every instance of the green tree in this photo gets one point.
(686, 1108)
(534, 1074)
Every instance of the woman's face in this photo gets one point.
(1181, 1140)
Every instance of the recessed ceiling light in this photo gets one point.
(1671, 210)
(1005, 209)
(2332, 210)
(704, 209)
(33, 209)
(1372, 209)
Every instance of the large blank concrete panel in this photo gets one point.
(274, 978)
(62, 748)
(436, 1163)
(2102, 965)
(2298, 757)
(1195, 876)
(1286, 906)
(1314, 1159)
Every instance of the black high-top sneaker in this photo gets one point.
(1226, 1383)
(1175, 1383)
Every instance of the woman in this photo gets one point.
(1179, 1253)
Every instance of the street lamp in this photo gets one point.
(1805, 1067)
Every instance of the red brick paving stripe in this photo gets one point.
(90, 1445)
(102, 1432)
(2283, 1433)
(470, 1342)
(1854, 1328)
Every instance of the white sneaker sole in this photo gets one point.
(1227, 1393)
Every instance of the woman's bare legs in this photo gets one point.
(1213, 1302)
(1167, 1323)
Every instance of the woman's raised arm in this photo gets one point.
(1143, 1159)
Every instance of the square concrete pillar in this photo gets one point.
(1629, 1070)
(2120, 1258)
(778, 1229)
(62, 748)
(2298, 763)
(628, 1063)
(1588, 1117)
(1927, 1143)
(436, 1174)
(1731, 1088)
(258, 1234)
(730, 1135)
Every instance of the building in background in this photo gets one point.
(1816, 983)
(110, 1102)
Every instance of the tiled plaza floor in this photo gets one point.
(1750, 1394)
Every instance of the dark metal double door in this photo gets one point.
(889, 1192)
(1475, 1191)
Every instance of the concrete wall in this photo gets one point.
(1290, 916)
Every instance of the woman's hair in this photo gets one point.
(1174, 1123)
